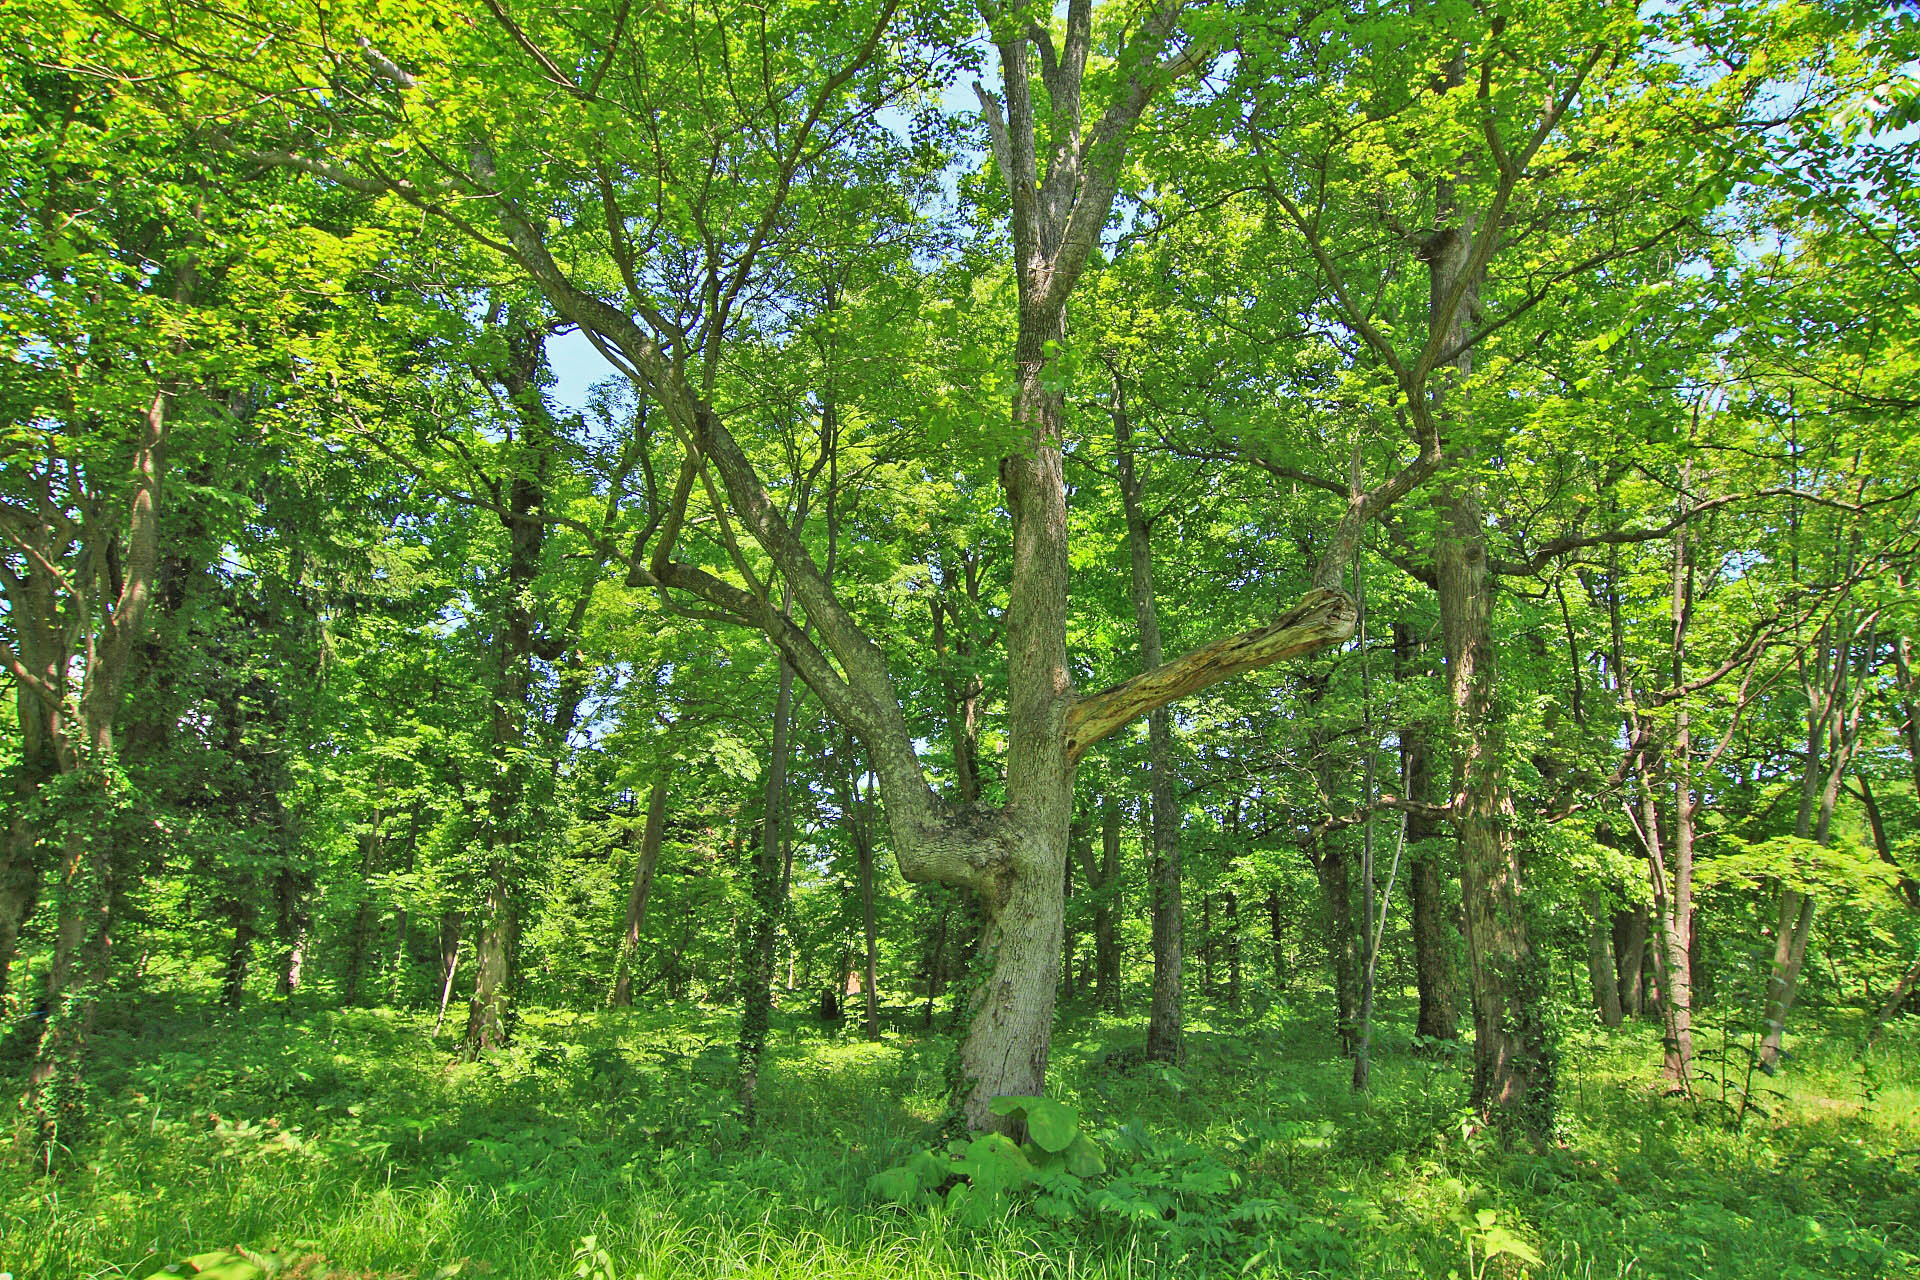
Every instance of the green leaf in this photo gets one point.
(899, 1185)
(1053, 1125)
(1085, 1159)
(1499, 1240)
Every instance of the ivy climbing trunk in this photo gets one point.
(82, 749)
(509, 742)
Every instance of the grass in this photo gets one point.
(349, 1143)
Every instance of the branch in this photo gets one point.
(1322, 618)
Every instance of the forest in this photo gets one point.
(755, 638)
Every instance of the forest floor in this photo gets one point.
(349, 1144)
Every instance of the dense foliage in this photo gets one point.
(1181, 638)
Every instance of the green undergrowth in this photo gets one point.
(603, 1147)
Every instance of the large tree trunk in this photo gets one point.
(510, 741)
(1513, 1076)
(1601, 977)
(1022, 904)
(487, 1012)
(621, 996)
(1629, 958)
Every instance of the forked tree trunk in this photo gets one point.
(1834, 703)
(1012, 858)
(1022, 903)
(621, 996)
(54, 1106)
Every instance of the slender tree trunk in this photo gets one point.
(53, 1106)
(1067, 932)
(1103, 885)
(1336, 899)
(1433, 945)
(1209, 987)
(937, 960)
(1897, 997)
(451, 938)
(863, 845)
(621, 997)
(511, 739)
(1834, 703)
(359, 933)
(1232, 912)
(1165, 1016)
(763, 921)
(1277, 939)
